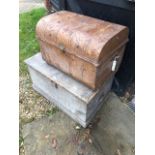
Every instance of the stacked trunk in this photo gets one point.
(81, 46)
(87, 53)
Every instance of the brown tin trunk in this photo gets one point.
(81, 46)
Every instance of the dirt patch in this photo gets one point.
(32, 106)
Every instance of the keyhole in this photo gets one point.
(56, 86)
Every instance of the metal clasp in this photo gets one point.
(114, 63)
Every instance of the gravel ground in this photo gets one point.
(32, 106)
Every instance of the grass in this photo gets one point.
(28, 44)
(52, 111)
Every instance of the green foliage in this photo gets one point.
(28, 44)
(52, 111)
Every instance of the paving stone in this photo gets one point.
(111, 132)
(28, 5)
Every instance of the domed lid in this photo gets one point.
(88, 38)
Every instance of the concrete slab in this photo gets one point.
(27, 5)
(112, 133)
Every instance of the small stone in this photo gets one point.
(27, 111)
(23, 150)
(47, 136)
(77, 127)
(90, 141)
(21, 144)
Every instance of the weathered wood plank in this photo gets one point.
(58, 77)
(71, 96)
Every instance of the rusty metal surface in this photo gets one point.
(81, 46)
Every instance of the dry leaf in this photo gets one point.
(54, 143)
